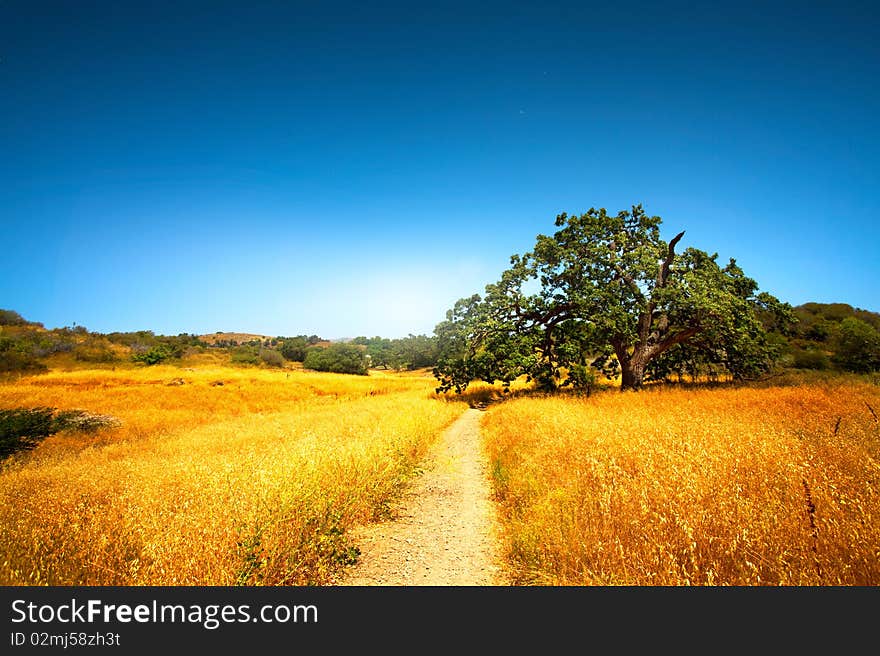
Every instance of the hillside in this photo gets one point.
(830, 335)
(233, 338)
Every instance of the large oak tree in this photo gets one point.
(607, 293)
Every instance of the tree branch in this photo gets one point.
(663, 274)
(628, 279)
(672, 340)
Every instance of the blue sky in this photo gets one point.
(354, 168)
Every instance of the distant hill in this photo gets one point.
(810, 314)
(837, 335)
(230, 338)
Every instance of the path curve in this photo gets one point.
(446, 530)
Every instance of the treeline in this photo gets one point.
(26, 345)
(361, 353)
(410, 352)
(833, 336)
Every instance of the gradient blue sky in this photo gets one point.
(354, 168)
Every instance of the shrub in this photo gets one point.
(82, 420)
(17, 355)
(810, 359)
(12, 318)
(271, 357)
(337, 358)
(858, 346)
(94, 353)
(247, 355)
(155, 355)
(22, 429)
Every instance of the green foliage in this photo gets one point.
(611, 295)
(380, 351)
(810, 359)
(155, 355)
(22, 429)
(836, 328)
(858, 346)
(153, 349)
(141, 339)
(98, 353)
(410, 352)
(414, 352)
(245, 355)
(271, 357)
(294, 348)
(18, 356)
(13, 318)
(338, 358)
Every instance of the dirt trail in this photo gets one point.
(446, 532)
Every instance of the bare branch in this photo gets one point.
(663, 274)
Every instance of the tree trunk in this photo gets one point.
(633, 374)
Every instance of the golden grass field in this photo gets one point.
(691, 486)
(253, 482)
(257, 480)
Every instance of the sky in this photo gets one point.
(346, 169)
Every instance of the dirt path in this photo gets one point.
(446, 532)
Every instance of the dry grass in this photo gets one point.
(252, 481)
(671, 486)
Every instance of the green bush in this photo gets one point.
(810, 359)
(271, 357)
(337, 358)
(18, 356)
(246, 355)
(294, 349)
(94, 353)
(858, 346)
(22, 429)
(155, 355)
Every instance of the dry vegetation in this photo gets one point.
(215, 476)
(675, 486)
(218, 476)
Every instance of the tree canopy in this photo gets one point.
(605, 293)
(337, 357)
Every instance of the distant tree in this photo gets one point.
(294, 348)
(379, 349)
(858, 346)
(415, 351)
(609, 293)
(154, 355)
(338, 358)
